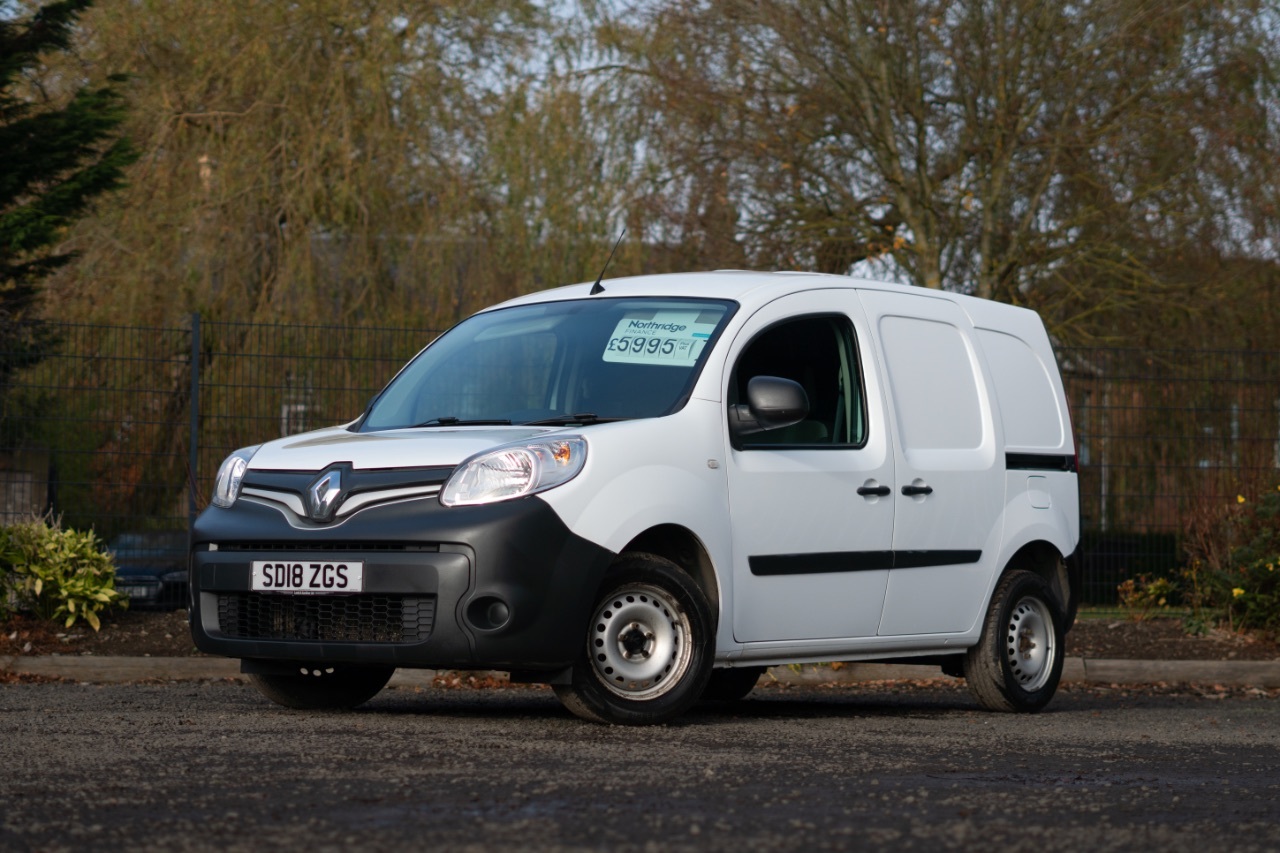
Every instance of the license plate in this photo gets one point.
(308, 577)
(138, 591)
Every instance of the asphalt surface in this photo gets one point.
(211, 765)
(115, 670)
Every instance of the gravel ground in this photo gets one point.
(212, 766)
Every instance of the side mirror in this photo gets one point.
(772, 403)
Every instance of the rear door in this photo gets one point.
(949, 488)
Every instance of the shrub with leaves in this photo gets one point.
(1251, 592)
(57, 574)
(1144, 594)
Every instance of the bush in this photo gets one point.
(1141, 595)
(1251, 588)
(1233, 569)
(55, 573)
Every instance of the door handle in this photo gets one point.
(912, 491)
(874, 491)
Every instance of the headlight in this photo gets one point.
(514, 471)
(226, 488)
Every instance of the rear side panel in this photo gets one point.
(1042, 488)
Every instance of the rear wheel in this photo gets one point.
(1017, 663)
(730, 685)
(648, 648)
(323, 687)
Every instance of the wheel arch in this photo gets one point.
(679, 545)
(1061, 573)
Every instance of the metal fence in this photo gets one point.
(1167, 439)
(96, 429)
(122, 428)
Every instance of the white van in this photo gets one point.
(645, 493)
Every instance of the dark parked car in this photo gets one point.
(151, 568)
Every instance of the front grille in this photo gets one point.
(326, 618)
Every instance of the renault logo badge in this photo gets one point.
(324, 494)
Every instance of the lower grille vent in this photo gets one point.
(326, 618)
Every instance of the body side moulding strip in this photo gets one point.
(1040, 462)
(855, 561)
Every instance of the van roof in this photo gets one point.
(749, 289)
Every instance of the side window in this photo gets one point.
(820, 354)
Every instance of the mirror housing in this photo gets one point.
(772, 403)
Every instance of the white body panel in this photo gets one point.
(644, 474)
(946, 439)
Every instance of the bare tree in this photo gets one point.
(337, 160)
(1012, 148)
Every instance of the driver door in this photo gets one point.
(811, 504)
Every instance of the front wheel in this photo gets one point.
(319, 687)
(1017, 662)
(648, 648)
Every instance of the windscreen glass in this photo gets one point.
(582, 360)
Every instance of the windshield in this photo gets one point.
(579, 361)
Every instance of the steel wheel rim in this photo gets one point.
(1030, 643)
(639, 642)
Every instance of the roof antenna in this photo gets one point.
(597, 288)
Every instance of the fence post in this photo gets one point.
(193, 458)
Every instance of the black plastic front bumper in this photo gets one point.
(505, 586)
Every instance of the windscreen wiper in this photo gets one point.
(582, 418)
(450, 421)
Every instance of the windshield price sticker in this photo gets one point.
(673, 338)
(307, 577)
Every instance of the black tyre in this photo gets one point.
(730, 685)
(323, 687)
(648, 649)
(1017, 663)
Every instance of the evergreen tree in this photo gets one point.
(58, 152)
